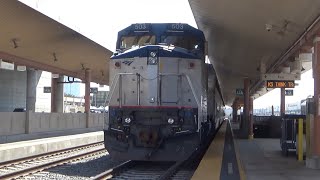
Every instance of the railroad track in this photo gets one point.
(155, 170)
(136, 170)
(149, 170)
(29, 165)
(158, 171)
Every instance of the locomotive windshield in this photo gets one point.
(128, 42)
(186, 38)
(187, 42)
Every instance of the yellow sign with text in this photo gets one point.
(280, 84)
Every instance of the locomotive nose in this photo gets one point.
(148, 137)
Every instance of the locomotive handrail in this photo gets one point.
(113, 85)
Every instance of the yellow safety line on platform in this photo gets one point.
(210, 165)
(300, 139)
(239, 162)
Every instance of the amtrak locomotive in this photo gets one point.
(164, 101)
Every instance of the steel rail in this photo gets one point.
(109, 173)
(44, 166)
(44, 155)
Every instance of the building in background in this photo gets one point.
(72, 89)
(73, 100)
(43, 99)
(98, 99)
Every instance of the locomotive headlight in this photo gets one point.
(153, 58)
(153, 54)
(170, 120)
(127, 120)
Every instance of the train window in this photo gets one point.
(187, 42)
(128, 42)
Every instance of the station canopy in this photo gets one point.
(30, 38)
(239, 39)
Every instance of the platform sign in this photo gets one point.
(280, 76)
(280, 84)
(288, 92)
(21, 68)
(239, 92)
(46, 89)
(6, 65)
(94, 90)
(55, 76)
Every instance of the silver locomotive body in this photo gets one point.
(158, 104)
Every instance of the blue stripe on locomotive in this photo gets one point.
(161, 51)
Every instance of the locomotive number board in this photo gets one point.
(280, 84)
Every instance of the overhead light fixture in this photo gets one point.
(82, 65)
(268, 27)
(54, 57)
(15, 44)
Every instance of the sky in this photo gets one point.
(100, 20)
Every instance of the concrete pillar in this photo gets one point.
(87, 95)
(246, 108)
(57, 94)
(314, 161)
(282, 102)
(234, 111)
(251, 118)
(32, 80)
(316, 77)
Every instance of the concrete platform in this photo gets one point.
(221, 159)
(46, 134)
(228, 159)
(16, 150)
(262, 159)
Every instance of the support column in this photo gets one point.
(316, 77)
(32, 81)
(246, 108)
(314, 160)
(31, 90)
(87, 95)
(57, 94)
(234, 112)
(282, 102)
(251, 118)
